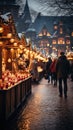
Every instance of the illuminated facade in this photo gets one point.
(53, 33)
(61, 41)
(48, 33)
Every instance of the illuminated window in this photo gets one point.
(40, 34)
(72, 34)
(61, 41)
(55, 27)
(54, 42)
(48, 34)
(61, 31)
(44, 33)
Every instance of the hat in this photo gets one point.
(62, 53)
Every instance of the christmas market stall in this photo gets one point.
(15, 78)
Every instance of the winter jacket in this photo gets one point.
(53, 66)
(62, 67)
(48, 66)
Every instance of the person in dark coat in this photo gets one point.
(62, 69)
(53, 71)
(48, 69)
(71, 68)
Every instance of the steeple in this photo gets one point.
(26, 13)
(25, 19)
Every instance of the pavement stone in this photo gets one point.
(45, 110)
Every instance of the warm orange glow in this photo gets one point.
(1, 43)
(53, 48)
(48, 44)
(61, 41)
(55, 27)
(44, 33)
(1, 29)
(11, 40)
(9, 35)
(9, 60)
(12, 49)
(72, 34)
(48, 34)
(61, 30)
(21, 46)
(54, 42)
(15, 44)
(40, 34)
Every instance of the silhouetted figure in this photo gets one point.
(48, 68)
(53, 71)
(34, 70)
(62, 68)
(71, 69)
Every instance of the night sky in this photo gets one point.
(46, 7)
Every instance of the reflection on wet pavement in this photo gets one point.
(45, 110)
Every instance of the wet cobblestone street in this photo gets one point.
(45, 110)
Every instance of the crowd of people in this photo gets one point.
(59, 70)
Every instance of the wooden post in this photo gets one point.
(9, 60)
(0, 62)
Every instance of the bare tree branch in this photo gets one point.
(64, 4)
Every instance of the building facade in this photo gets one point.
(51, 34)
(24, 20)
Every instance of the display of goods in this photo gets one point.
(9, 79)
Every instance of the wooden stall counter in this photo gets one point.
(12, 97)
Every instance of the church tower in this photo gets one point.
(24, 19)
(9, 6)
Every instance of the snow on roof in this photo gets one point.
(19, 34)
(54, 34)
(27, 21)
(6, 16)
(31, 29)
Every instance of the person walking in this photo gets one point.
(62, 69)
(71, 69)
(48, 69)
(53, 71)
